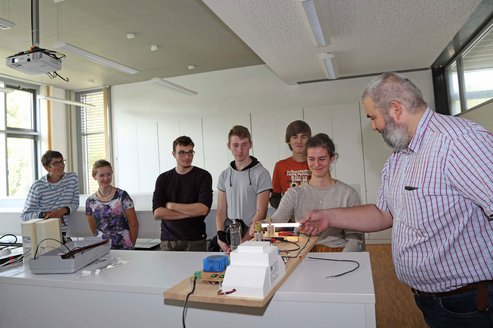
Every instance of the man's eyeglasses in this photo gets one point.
(182, 153)
(58, 163)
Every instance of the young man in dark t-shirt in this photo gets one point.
(182, 199)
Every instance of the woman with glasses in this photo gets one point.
(55, 195)
(110, 211)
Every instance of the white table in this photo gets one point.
(131, 295)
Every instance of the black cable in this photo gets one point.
(291, 242)
(12, 235)
(184, 313)
(15, 261)
(53, 75)
(301, 249)
(37, 247)
(334, 260)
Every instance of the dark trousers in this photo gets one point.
(184, 245)
(457, 310)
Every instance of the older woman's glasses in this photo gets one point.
(58, 163)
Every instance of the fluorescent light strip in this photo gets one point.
(95, 58)
(311, 14)
(329, 66)
(6, 24)
(65, 101)
(173, 86)
(6, 90)
(281, 225)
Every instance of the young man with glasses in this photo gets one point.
(182, 199)
(55, 195)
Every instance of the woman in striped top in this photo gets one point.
(55, 195)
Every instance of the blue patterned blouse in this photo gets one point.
(111, 221)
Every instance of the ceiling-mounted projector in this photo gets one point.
(35, 61)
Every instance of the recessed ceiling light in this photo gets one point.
(191, 66)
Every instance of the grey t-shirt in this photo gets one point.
(242, 188)
(301, 199)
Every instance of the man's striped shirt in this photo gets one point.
(440, 193)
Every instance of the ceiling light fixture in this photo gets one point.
(173, 86)
(65, 101)
(311, 14)
(6, 24)
(329, 66)
(95, 58)
(6, 90)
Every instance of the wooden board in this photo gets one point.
(206, 292)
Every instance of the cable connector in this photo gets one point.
(193, 280)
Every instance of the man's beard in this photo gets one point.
(395, 135)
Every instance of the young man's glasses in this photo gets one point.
(58, 163)
(182, 153)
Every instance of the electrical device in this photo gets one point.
(256, 267)
(71, 256)
(35, 61)
(29, 237)
(49, 235)
(40, 236)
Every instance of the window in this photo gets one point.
(469, 74)
(19, 137)
(453, 89)
(93, 135)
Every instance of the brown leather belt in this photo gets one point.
(481, 299)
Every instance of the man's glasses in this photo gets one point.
(182, 153)
(58, 163)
